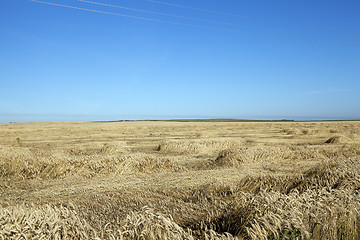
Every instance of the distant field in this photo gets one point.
(180, 179)
(225, 120)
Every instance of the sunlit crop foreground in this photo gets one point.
(180, 180)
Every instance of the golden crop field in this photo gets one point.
(180, 180)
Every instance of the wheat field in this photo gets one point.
(180, 180)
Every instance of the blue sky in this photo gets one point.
(71, 60)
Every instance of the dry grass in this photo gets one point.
(161, 180)
(43, 222)
(21, 163)
(199, 146)
(338, 139)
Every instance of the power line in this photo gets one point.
(206, 10)
(218, 22)
(134, 17)
(171, 22)
(163, 14)
(249, 17)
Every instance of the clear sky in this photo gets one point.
(76, 60)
